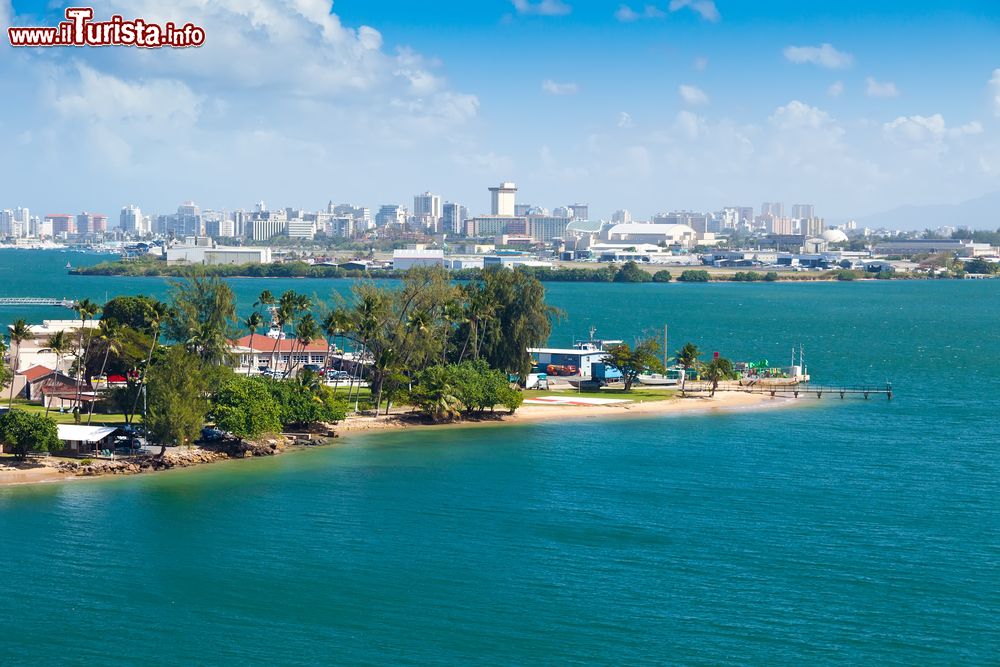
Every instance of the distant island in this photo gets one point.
(627, 272)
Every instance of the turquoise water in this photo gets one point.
(833, 532)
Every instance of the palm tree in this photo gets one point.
(86, 309)
(687, 358)
(253, 322)
(284, 314)
(109, 333)
(156, 313)
(19, 332)
(716, 370)
(60, 344)
(306, 331)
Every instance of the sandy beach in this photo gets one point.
(41, 471)
(722, 402)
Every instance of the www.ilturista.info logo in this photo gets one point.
(80, 30)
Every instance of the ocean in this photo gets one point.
(830, 532)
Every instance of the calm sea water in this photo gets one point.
(832, 532)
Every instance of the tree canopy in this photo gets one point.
(23, 432)
(633, 362)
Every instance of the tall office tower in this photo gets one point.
(130, 219)
(801, 211)
(427, 205)
(22, 220)
(503, 199)
(98, 223)
(777, 209)
(580, 211)
(453, 217)
(6, 222)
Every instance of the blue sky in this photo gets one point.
(854, 106)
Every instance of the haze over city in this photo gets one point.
(859, 108)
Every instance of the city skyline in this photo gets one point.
(648, 107)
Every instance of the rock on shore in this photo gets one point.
(181, 458)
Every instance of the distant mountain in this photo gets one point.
(980, 213)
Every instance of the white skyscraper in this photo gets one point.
(503, 199)
(130, 220)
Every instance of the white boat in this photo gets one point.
(671, 378)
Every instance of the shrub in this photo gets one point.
(771, 276)
(695, 276)
(662, 276)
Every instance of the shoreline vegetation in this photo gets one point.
(47, 470)
(201, 382)
(628, 272)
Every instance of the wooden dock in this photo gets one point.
(795, 390)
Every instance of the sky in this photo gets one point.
(854, 106)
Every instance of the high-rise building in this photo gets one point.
(543, 228)
(580, 211)
(62, 223)
(522, 209)
(502, 199)
(98, 223)
(777, 209)
(130, 220)
(392, 216)
(265, 229)
(427, 205)
(7, 222)
(84, 223)
(453, 217)
(301, 229)
(803, 211)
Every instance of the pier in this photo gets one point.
(36, 301)
(795, 390)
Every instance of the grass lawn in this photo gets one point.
(636, 395)
(67, 417)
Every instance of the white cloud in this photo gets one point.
(798, 115)
(106, 98)
(836, 89)
(553, 88)
(626, 14)
(692, 95)
(542, 7)
(704, 8)
(6, 14)
(927, 129)
(994, 87)
(824, 55)
(625, 120)
(880, 89)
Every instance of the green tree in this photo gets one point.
(129, 311)
(60, 344)
(435, 395)
(177, 399)
(508, 314)
(695, 276)
(716, 370)
(19, 332)
(203, 316)
(662, 276)
(86, 310)
(771, 276)
(631, 273)
(253, 322)
(687, 358)
(246, 407)
(23, 432)
(633, 362)
(109, 334)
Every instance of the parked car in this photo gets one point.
(338, 376)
